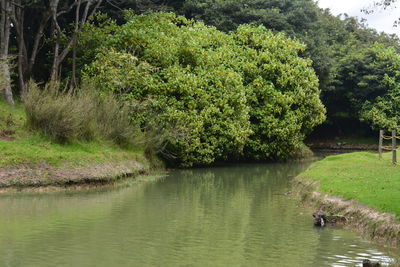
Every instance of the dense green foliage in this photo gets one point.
(282, 95)
(222, 93)
(339, 48)
(298, 18)
(373, 75)
(330, 42)
(360, 176)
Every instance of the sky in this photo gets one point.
(381, 20)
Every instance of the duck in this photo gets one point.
(368, 263)
(319, 219)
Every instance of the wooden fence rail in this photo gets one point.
(392, 148)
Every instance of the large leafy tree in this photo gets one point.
(329, 40)
(298, 18)
(379, 89)
(227, 95)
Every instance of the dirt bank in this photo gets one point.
(38, 175)
(380, 227)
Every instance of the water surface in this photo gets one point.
(226, 216)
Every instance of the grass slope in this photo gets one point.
(19, 146)
(360, 176)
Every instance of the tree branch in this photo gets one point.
(68, 9)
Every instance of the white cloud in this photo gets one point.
(382, 20)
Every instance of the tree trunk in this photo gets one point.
(56, 31)
(56, 64)
(59, 55)
(73, 78)
(5, 76)
(22, 53)
(35, 48)
(26, 59)
(7, 82)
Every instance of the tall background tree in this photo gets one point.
(5, 30)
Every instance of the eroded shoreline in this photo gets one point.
(35, 176)
(378, 226)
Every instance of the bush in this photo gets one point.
(81, 114)
(114, 122)
(62, 116)
(282, 93)
(220, 94)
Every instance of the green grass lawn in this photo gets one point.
(360, 176)
(20, 146)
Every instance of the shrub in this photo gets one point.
(282, 93)
(114, 122)
(220, 94)
(80, 114)
(62, 116)
(202, 109)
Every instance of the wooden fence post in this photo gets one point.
(380, 143)
(394, 152)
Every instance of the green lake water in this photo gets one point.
(235, 215)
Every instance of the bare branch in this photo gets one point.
(68, 9)
(84, 18)
(113, 5)
(17, 5)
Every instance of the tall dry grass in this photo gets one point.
(79, 114)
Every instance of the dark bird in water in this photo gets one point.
(319, 219)
(368, 263)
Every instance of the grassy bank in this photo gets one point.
(362, 177)
(359, 186)
(30, 159)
